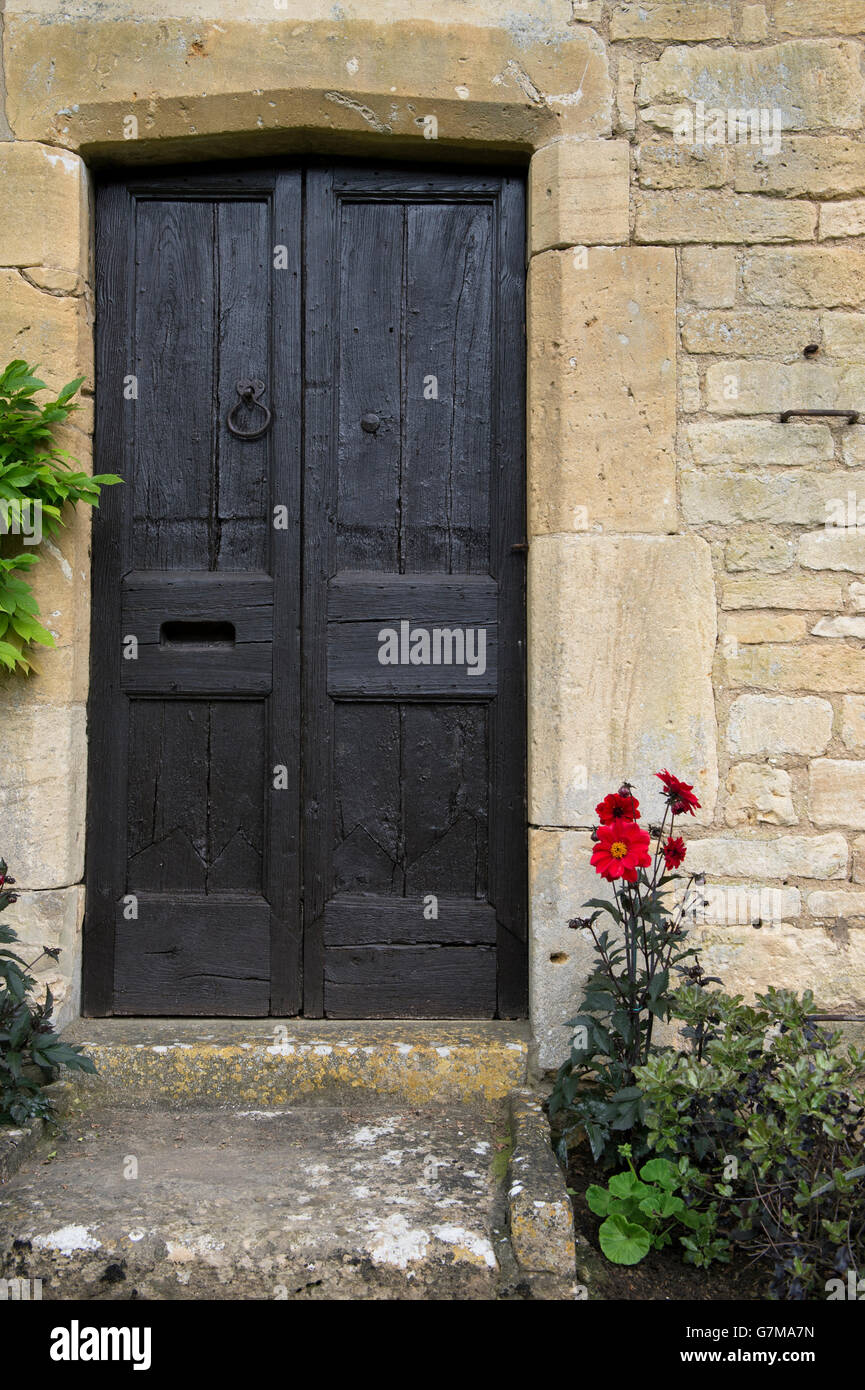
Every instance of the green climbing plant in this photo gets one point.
(37, 481)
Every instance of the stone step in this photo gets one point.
(268, 1063)
(369, 1200)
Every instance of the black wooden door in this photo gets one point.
(307, 711)
(414, 815)
(192, 863)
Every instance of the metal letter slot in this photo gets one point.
(196, 634)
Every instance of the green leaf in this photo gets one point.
(598, 1199)
(605, 907)
(624, 1242)
(32, 631)
(10, 657)
(661, 1171)
(69, 390)
(12, 1061)
(20, 1027)
(661, 1205)
(34, 474)
(628, 1185)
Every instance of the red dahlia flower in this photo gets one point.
(680, 795)
(674, 852)
(618, 805)
(621, 850)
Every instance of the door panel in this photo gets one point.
(193, 885)
(280, 818)
(414, 863)
(206, 955)
(196, 813)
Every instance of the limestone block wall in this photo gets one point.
(732, 648)
(46, 318)
(689, 607)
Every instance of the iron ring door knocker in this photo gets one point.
(250, 393)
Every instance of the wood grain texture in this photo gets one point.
(358, 919)
(355, 669)
(440, 981)
(415, 459)
(284, 715)
(285, 804)
(107, 709)
(196, 811)
(183, 796)
(243, 666)
(194, 956)
(358, 596)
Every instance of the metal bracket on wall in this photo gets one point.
(851, 416)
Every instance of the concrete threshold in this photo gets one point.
(366, 1200)
(263, 1063)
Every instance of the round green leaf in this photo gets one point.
(662, 1205)
(623, 1242)
(628, 1185)
(598, 1199)
(661, 1171)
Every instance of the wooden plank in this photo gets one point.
(240, 476)
(238, 179)
(169, 773)
(196, 810)
(373, 919)
(368, 847)
(175, 311)
(410, 982)
(175, 670)
(194, 956)
(368, 334)
(319, 492)
(446, 811)
(466, 600)
(242, 665)
(107, 711)
(445, 511)
(150, 599)
(386, 181)
(462, 661)
(283, 861)
(508, 865)
(238, 763)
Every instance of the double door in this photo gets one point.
(307, 712)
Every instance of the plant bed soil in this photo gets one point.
(663, 1274)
